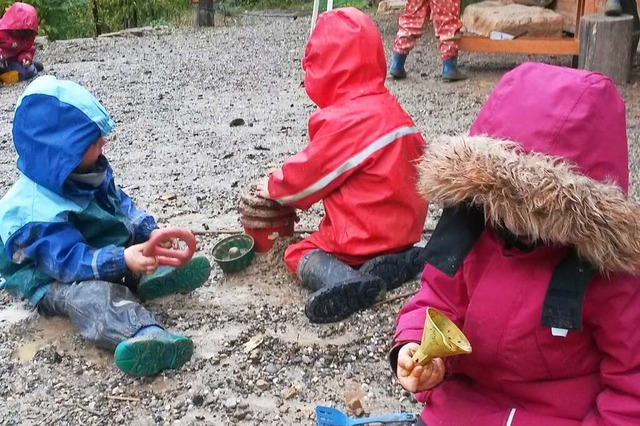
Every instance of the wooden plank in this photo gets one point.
(539, 46)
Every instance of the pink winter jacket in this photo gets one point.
(519, 374)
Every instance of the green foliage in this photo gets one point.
(118, 14)
(59, 18)
(297, 4)
(62, 19)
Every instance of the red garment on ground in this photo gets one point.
(413, 21)
(19, 16)
(519, 374)
(360, 160)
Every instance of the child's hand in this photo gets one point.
(137, 262)
(262, 188)
(420, 378)
(26, 63)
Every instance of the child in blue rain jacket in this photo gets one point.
(72, 242)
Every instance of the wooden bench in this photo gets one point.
(569, 45)
(535, 45)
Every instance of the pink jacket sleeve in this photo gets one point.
(438, 290)
(614, 322)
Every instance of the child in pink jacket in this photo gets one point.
(18, 30)
(535, 259)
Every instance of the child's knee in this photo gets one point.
(294, 254)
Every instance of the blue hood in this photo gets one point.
(55, 122)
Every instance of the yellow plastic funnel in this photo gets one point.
(440, 338)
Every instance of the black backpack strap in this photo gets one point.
(456, 232)
(563, 303)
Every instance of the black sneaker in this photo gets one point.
(396, 269)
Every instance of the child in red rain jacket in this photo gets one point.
(360, 161)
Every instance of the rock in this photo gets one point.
(539, 3)
(197, 400)
(231, 403)
(389, 6)
(291, 392)
(262, 385)
(514, 19)
(239, 415)
(272, 368)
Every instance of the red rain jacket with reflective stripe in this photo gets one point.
(360, 160)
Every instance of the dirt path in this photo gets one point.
(173, 95)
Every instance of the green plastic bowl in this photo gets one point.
(234, 253)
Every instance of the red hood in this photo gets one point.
(573, 114)
(344, 58)
(20, 16)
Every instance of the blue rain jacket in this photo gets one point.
(52, 228)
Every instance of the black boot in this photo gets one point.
(396, 269)
(339, 290)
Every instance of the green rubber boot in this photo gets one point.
(152, 353)
(168, 280)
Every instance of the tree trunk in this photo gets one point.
(205, 11)
(605, 45)
(95, 11)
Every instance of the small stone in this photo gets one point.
(290, 393)
(262, 385)
(231, 403)
(197, 400)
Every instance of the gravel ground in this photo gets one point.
(173, 94)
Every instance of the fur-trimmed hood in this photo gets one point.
(535, 195)
(546, 158)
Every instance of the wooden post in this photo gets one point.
(204, 10)
(605, 45)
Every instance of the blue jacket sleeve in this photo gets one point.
(142, 221)
(59, 250)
